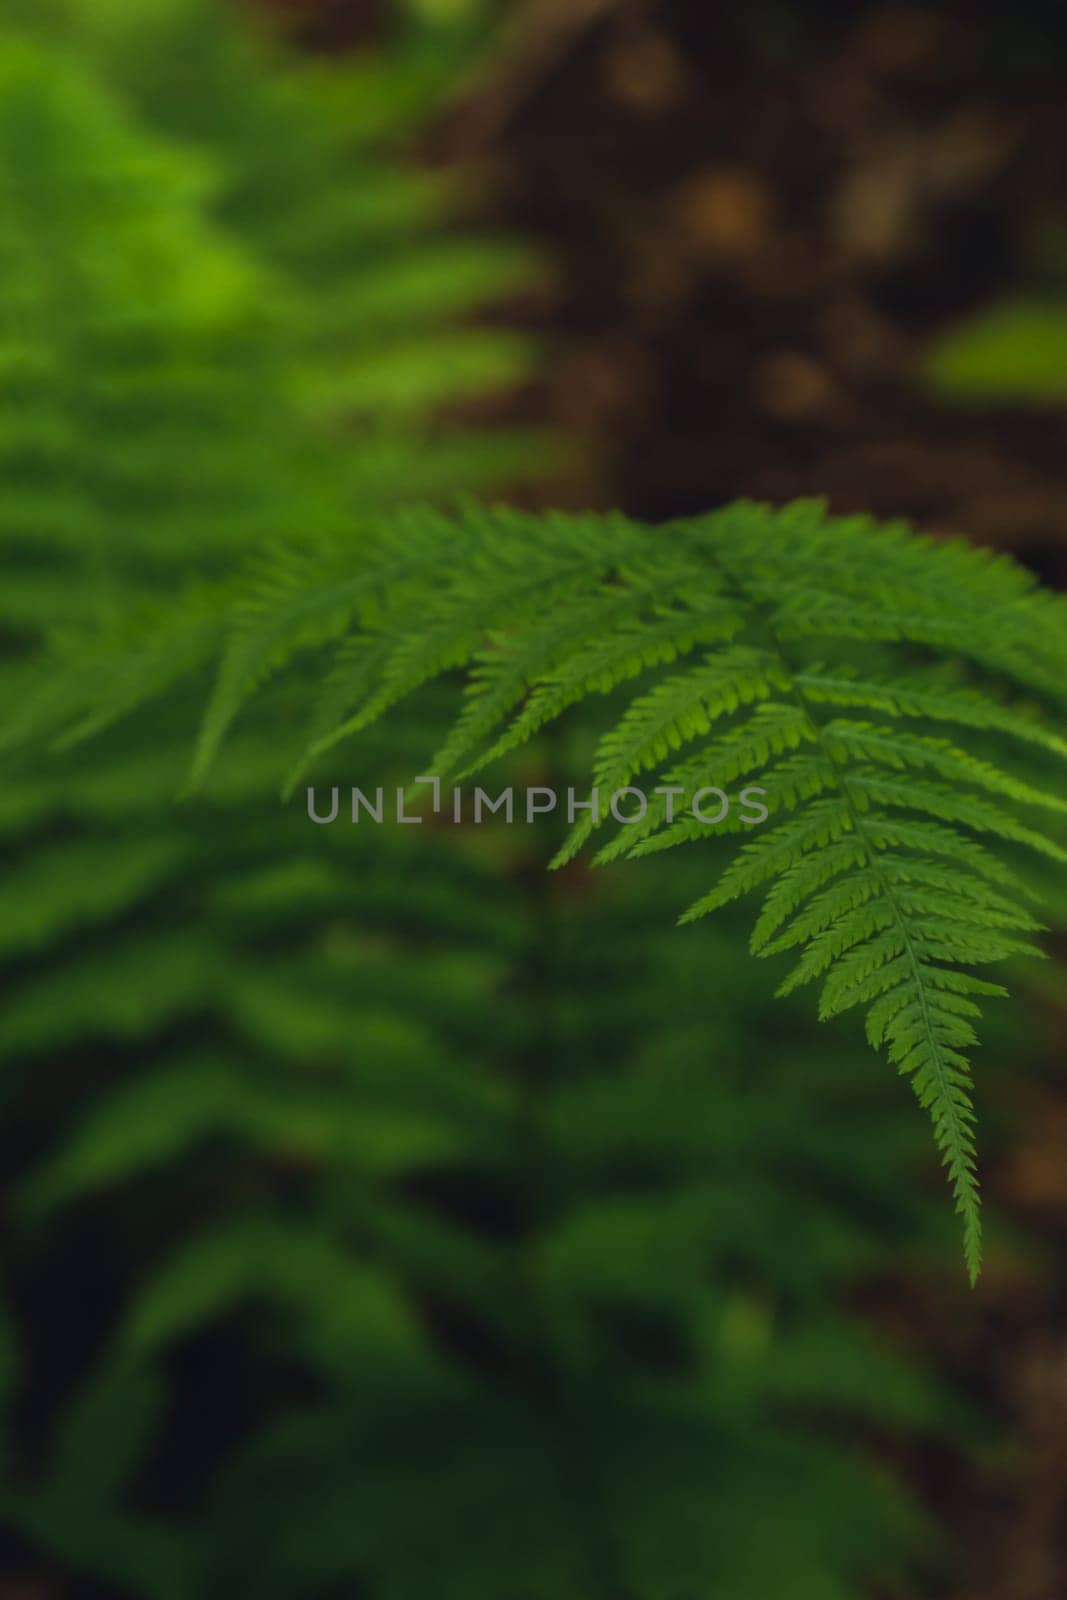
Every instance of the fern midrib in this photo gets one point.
(969, 1206)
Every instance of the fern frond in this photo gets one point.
(871, 857)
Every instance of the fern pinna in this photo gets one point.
(860, 672)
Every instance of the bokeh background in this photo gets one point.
(384, 1221)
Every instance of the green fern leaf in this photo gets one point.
(871, 858)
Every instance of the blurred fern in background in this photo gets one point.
(1013, 354)
(1013, 351)
(383, 1217)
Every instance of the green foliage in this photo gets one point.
(558, 1287)
(368, 278)
(383, 1215)
(870, 864)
